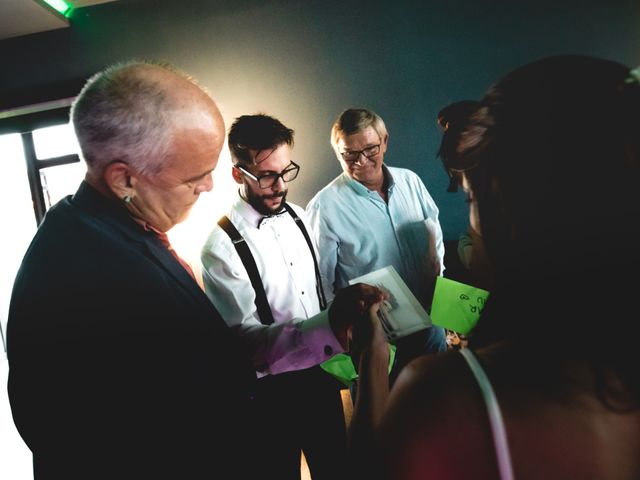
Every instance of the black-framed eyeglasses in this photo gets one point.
(268, 180)
(354, 155)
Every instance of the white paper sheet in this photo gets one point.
(401, 314)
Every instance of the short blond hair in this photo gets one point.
(355, 120)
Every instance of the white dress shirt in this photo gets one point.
(300, 336)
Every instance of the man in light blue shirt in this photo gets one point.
(372, 216)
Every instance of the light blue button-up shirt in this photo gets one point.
(357, 232)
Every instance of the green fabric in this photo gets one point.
(457, 306)
(341, 367)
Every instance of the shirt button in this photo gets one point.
(303, 292)
(328, 351)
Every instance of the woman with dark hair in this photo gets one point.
(551, 161)
(453, 119)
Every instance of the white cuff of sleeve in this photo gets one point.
(319, 338)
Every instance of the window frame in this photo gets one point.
(24, 120)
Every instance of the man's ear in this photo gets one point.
(118, 178)
(237, 175)
(384, 143)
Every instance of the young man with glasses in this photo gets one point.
(260, 270)
(373, 215)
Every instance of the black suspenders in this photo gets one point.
(319, 290)
(264, 310)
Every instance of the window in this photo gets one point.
(59, 178)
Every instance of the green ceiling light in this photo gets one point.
(59, 6)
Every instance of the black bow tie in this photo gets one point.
(270, 217)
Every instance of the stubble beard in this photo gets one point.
(259, 202)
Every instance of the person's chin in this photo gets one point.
(360, 176)
(359, 172)
(274, 205)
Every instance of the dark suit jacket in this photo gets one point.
(120, 367)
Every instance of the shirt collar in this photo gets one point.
(148, 227)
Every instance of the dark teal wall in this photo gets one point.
(305, 61)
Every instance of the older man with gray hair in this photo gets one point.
(374, 215)
(120, 366)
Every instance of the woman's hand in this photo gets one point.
(368, 338)
(349, 308)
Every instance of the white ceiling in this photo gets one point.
(22, 17)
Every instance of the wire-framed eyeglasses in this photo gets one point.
(268, 180)
(354, 155)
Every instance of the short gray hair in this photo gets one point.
(355, 120)
(123, 114)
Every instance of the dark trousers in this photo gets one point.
(300, 411)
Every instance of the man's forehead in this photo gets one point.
(368, 134)
(262, 155)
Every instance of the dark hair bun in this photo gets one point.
(456, 113)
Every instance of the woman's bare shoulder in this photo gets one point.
(436, 422)
(437, 426)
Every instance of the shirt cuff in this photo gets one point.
(319, 337)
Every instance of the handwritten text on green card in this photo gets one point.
(457, 306)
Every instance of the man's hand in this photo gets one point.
(349, 306)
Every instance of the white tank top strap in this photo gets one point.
(495, 417)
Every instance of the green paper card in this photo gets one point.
(341, 367)
(457, 306)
